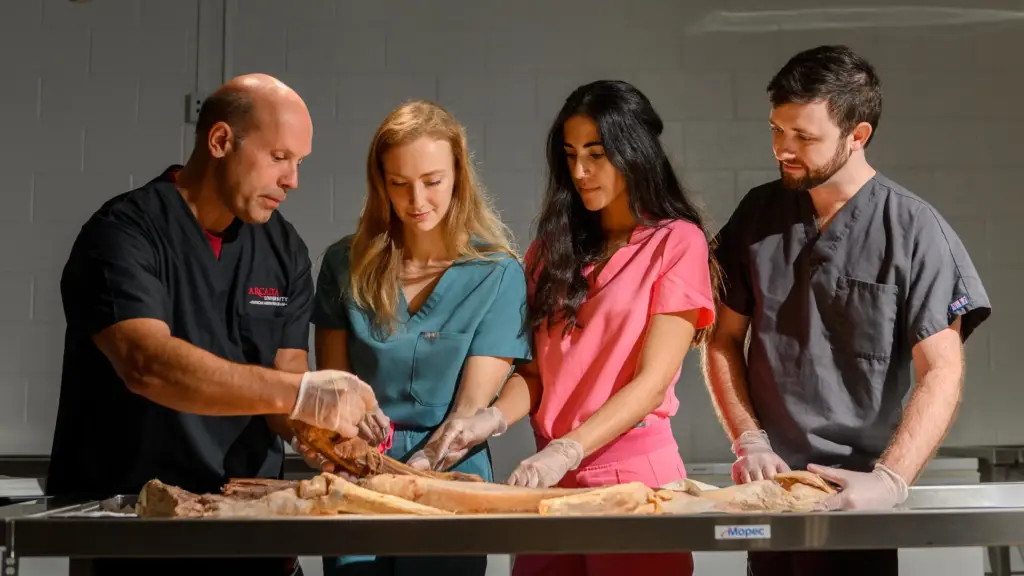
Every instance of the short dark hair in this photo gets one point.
(834, 73)
(233, 107)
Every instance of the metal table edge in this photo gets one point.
(946, 516)
(394, 535)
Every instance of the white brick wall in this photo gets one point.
(88, 110)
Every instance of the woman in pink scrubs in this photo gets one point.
(621, 284)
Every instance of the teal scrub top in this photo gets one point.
(477, 308)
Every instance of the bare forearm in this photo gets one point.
(467, 404)
(926, 421)
(176, 374)
(519, 397)
(665, 346)
(624, 410)
(482, 377)
(186, 378)
(296, 362)
(725, 372)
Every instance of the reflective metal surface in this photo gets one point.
(995, 455)
(975, 515)
(986, 496)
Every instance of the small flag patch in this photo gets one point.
(959, 303)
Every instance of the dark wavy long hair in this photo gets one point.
(570, 237)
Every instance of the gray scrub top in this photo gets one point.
(834, 316)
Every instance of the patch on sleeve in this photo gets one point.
(958, 304)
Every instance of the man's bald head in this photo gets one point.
(240, 101)
(252, 134)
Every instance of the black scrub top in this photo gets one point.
(144, 255)
(834, 316)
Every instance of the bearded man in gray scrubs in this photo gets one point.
(847, 282)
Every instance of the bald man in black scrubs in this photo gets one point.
(188, 303)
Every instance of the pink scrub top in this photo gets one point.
(663, 269)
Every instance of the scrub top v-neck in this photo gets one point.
(144, 255)
(835, 315)
(437, 292)
(476, 308)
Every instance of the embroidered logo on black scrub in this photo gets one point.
(267, 297)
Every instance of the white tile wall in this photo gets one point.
(94, 102)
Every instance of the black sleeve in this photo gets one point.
(943, 282)
(732, 253)
(300, 301)
(112, 275)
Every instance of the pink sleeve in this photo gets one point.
(685, 282)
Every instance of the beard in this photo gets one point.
(815, 177)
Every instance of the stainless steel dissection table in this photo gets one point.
(939, 516)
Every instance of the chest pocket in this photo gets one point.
(865, 317)
(436, 367)
(260, 338)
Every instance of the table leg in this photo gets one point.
(8, 562)
(998, 556)
(999, 560)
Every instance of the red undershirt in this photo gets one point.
(214, 240)
(215, 243)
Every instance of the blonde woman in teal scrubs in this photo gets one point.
(426, 303)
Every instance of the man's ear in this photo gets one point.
(861, 134)
(220, 140)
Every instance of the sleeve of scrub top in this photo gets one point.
(731, 253)
(300, 302)
(329, 309)
(943, 282)
(502, 331)
(685, 281)
(111, 276)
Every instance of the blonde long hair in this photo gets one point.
(472, 228)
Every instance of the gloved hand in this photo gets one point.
(374, 427)
(454, 438)
(333, 400)
(755, 459)
(545, 468)
(880, 489)
(316, 461)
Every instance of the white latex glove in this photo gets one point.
(374, 427)
(456, 437)
(880, 489)
(333, 400)
(545, 468)
(755, 459)
(318, 462)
